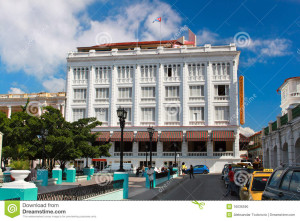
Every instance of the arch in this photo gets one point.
(266, 159)
(285, 154)
(274, 160)
(297, 151)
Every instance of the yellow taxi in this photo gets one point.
(255, 186)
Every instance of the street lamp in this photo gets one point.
(122, 114)
(151, 132)
(44, 134)
(175, 147)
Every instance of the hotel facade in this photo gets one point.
(188, 94)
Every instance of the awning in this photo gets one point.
(101, 160)
(128, 136)
(144, 136)
(196, 135)
(244, 139)
(223, 136)
(169, 136)
(103, 136)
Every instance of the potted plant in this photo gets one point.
(20, 170)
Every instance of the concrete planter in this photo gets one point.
(19, 182)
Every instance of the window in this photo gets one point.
(80, 73)
(222, 113)
(197, 91)
(127, 146)
(125, 92)
(172, 91)
(221, 90)
(295, 182)
(196, 69)
(259, 183)
(78, 114)
(221, 68)
(196, 113)
(125, 72)
(128, 109)
(172, 70)
(148, 71)
(102, 93)
(145, 146)
(148, 92)
(275, 179)
(102, 72)
(285, 183)
(197, 146)
(148, 114)
(101, 114)
(169, 147)
(172, 114)
(79, 94)
(169, 72)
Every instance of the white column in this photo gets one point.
(210, 147)
(291, 147)
(279, 156)
(233, 107)
(136, 96)
(159, 96)
(236, 144)
(159, 148)
(69, 91)
(208, 93)
(9, 112)
(62, 109)
(135, 147)
(112, 96)
(90, 92)
(184, 94)
(1, 138)
(184, 145)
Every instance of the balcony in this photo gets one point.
(124, 80)
(197, 123)
(197, 154)
(172, 123)
(222, 122)
(125, 154)
(148, 80)
(223, 154)
(148, 99)
(196, 78)
(220, 77)
(295, 94)
(222, 98)
(172, 99)
(101, 100)
(143, 154)
(104, 124)
(171, 154)
(102, 81)
(125, 100)
(172, 79)
(196, 99)
(81, 101)
(152, 123)
(80, 82)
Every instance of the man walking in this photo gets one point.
(192, 172)
(231, 185)
(150, 173)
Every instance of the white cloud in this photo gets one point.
(54, 85)
(207, 37)
(36, 35)
(247, 131)
(14, 90)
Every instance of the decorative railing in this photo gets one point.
(171, 154)
(296, 112)
(171, 79)
(274, 126)
(124, 99)
(196, 78)
(221, 122)
(101, 100)
(82, 192)
(172, 99)
(126, 123)
(283, 120)
(221, 77)
(148, 99)
(197, 154)
(152, 123)
(172, 123)
(295, 94)
(83, 101)
(223, 154)
(80, 81)
(143, 154)
(104, 124)
(196, 98)
(124, 80)
(197, 123)
(222, 98)
(148, 80)
(102, 81)
(125, 154)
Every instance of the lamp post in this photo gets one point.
(151, 132)
(146, 156)
(175, 147)
(44, 134)
(122, 114)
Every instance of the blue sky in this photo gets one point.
(35, 36)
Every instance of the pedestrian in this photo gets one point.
(143, 170)
(171, 169)
(231, 185)
(192, 172)
(183, 168)
(150, 173)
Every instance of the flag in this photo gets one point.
(157, 19)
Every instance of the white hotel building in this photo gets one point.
(188, 94)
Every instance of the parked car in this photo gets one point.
(116, 166)
(284, 184)
(199, 169)
(255, 186)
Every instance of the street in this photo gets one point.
(203, 187)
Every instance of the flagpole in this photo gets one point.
(137, 37)
(160, 33)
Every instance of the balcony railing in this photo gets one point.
(172, 123)
(222, 98)
(148, 99)
(172, 79)
(101, 100)
(295, 94)
(171, 154)
(197, 154)
(105, 124)
(221, 77)
(221, 122)
(197, 123)
(127, 123)
(151, 123)
(124, 80)
(196, 98)
(223, 154)
(148, 80)
(196, 78)
(124, 99)
(81, 101)
(102, 81)
(143, 154)
(125, 154)
(80, 81)
(172, 99)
